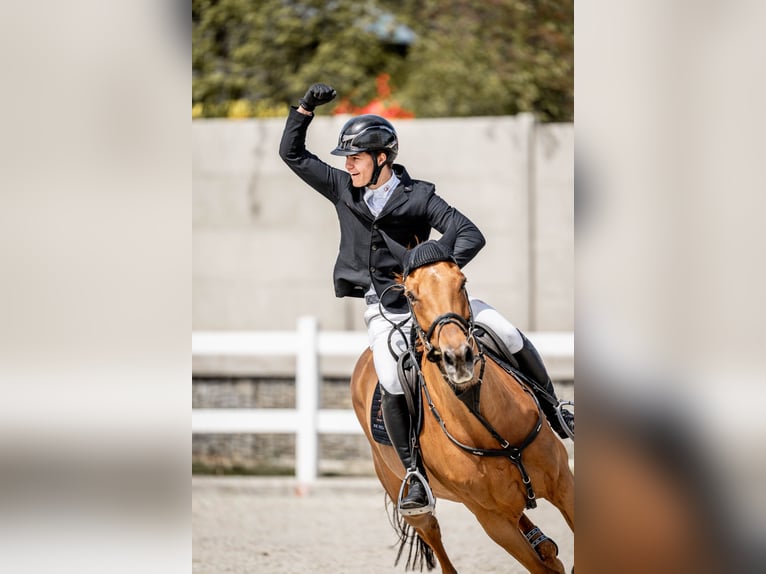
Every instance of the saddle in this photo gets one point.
(493, 345)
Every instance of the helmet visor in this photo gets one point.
(368, 139)
(346, 146)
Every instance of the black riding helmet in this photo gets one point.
(372, 134)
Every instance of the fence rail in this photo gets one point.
(307, 344)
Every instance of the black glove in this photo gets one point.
(317, 95)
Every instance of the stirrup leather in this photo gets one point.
(428, 508)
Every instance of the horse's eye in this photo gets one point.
(410, 295)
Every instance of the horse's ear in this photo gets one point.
(448, 238)
(398, 251)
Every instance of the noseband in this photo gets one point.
(433, 353)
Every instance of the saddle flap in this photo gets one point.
(408, 376)
(377, 426)
(408, 370)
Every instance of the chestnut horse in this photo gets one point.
(490, 487)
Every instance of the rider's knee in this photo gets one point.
(388, 377)
(489, 316)
(392, 386)
(513, 339)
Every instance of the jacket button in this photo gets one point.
(374, 247)
(372, 270)
(374, 225)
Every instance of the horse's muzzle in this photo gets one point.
(458, 363)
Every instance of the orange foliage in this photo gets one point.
(381, 105)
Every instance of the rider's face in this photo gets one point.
(360, 167)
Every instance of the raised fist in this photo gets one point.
(317, 95)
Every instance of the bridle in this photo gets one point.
(434, 353)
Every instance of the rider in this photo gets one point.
(376, 201)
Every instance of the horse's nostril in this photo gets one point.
(449, 357)
(469, 355)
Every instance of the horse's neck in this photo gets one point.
(507, 407)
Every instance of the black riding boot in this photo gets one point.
(396, 415)
(531, 364)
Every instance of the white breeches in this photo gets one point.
(378, 329)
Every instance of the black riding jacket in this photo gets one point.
(411, 212)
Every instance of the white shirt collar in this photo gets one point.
(376, 198)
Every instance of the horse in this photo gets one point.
(496, 489)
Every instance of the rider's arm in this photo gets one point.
(469, 240)
(292, 149)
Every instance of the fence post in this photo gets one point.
(307, 403)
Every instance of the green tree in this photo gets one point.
(490, 58)
(496, 57)
(268, 52)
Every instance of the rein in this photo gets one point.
(513, 453)
(433, 354)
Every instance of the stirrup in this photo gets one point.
(428, 508)
(564, 424)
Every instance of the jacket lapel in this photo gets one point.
(397, 198)
(401, 193)
(356, 203)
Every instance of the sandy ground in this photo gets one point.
(260, 526)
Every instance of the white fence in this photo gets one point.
(306, 420)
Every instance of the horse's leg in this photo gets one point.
(562, 496)
(426, 525)
(508, 535)
(547, 549)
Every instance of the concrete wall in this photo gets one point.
(265, 243)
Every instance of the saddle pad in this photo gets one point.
(377, 425)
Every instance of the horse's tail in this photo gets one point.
(419, 554)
